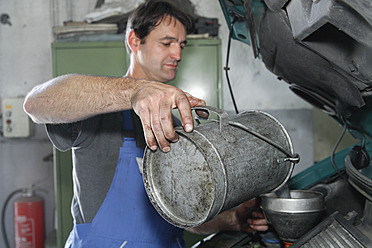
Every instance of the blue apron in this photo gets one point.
(126, 218)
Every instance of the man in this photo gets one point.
(110, 206)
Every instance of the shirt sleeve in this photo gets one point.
(72, 135)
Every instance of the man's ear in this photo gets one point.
(133, 41)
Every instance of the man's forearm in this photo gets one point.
(75, 97)
(226, 219)
(71, 98)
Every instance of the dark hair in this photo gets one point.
(150, 14)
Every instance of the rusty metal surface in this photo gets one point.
(204, 173)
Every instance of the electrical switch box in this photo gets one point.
(16, 123)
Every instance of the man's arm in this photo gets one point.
(241, 219)
(74, 97)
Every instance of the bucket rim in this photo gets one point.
(217, 202)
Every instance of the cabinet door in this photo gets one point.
(94, 58)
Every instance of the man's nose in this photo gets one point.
(176, 53)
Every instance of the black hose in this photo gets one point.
(334, 150)
(226, 68)
(3, 230)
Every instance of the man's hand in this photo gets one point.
(153, 103)
(244, 218)
(249, 217)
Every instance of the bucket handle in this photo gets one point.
(224, 121)
(293, 158)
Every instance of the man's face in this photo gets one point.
(158, 58)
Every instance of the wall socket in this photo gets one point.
(16, 123)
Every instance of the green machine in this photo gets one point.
(348, 101)
(315, 47)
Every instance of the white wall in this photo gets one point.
(25, 61)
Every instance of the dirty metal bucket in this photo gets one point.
(219, 165)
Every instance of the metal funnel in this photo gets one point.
(295, 216)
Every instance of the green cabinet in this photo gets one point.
(199, 74)
(97, 58)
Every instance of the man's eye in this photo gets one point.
(166, 44)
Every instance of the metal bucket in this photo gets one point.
(218, 166)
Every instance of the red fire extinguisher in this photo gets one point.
(29, 227)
